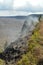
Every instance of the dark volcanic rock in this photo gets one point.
(14, 51)
(40, 62)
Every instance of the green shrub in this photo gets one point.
(2, 62)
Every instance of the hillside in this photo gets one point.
(26, 50)
(34, 55)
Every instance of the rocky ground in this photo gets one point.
(14, 51)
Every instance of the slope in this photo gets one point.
(34, 56)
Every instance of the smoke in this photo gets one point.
(29, 25)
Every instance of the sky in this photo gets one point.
(20, 7)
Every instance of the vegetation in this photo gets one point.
(34, 50)
(2, 62)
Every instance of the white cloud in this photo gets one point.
(20, 7)
(13, 13)
(6, 4)
(15, 4)
(21, 3)
(36, 2)
(1, 1)
(28, 6)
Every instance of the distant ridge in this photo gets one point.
(17, 17)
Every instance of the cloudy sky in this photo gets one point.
(20, 7)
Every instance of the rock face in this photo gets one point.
(14, 51)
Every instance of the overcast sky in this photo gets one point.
(20, 7)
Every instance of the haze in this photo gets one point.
(10, 29)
